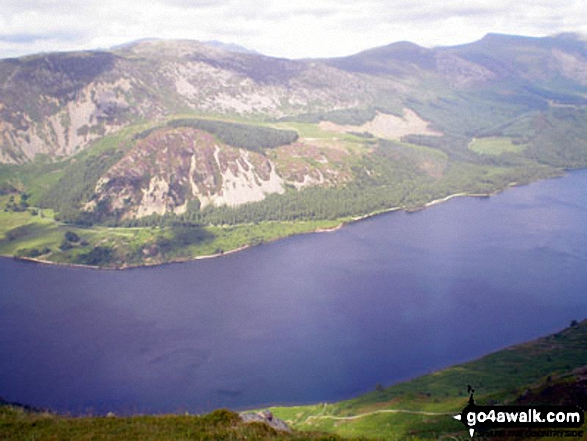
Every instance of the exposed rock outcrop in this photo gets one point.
(173, 167)
(267, 417)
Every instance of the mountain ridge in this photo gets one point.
(185, 74)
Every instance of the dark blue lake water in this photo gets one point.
(311, 318)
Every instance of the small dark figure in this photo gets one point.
(471, 391)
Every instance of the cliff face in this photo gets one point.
(173, 167)
(57, 104)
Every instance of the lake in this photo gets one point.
(312, 318)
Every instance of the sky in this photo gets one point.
(296, 29)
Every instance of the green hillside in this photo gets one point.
(19, 424)
(550, 370)
(355, 175)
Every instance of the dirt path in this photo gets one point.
(362, 415)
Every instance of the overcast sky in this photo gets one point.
(302, 28)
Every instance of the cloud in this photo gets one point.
(306, 28)
(22, 38)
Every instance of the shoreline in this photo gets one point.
(49, 262)
(224, 253)
(245, 247)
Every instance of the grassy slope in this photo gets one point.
(17, 424)
(495, 146)
(36, 232)
(502, 377)
(24, 231)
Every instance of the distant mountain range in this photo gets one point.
(57, 104)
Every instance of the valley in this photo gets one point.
(266, 220)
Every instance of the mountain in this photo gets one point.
(395, 59)
(57, 104)
(200, 135)
(541, 60)
(190, 165)
(231, 47)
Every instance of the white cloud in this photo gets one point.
(306, 28)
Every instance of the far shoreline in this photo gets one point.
(333, 229)
(343, 223)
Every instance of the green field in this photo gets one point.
(34, 233)
(495, 146)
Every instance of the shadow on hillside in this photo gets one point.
(182, 237)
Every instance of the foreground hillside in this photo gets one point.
(17, 424)
(169, 150)
(551, 370)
